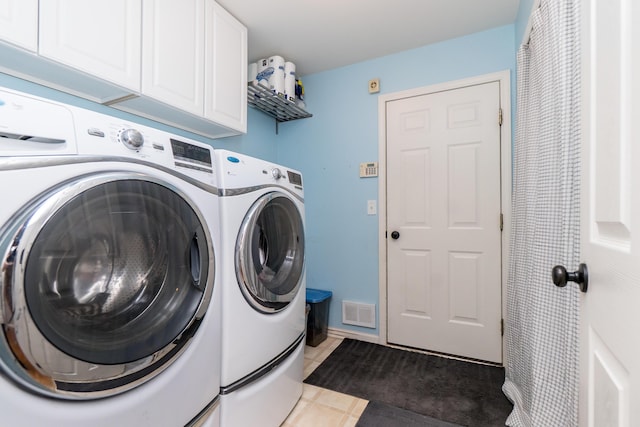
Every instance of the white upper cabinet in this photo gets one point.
(101, 38)
(19, 23)
(83, 56)
(225, 68)
(194, 68)
(173, 53)
(179, 62)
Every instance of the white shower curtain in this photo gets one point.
(542, 320)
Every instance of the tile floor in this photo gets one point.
(319, 407)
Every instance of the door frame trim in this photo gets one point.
(504, 78)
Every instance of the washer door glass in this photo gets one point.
(118, 272)
(270, 253)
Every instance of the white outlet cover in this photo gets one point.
(371, 207)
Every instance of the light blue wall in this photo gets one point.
(522, 19)
(258, 141)
(342, 240)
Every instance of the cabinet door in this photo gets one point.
(99, 37)
(19, 23)
(173, 53)
(225, 68)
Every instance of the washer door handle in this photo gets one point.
(195, 260)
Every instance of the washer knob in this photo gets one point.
(132, 139)
(276, 173)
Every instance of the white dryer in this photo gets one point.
(109, 307)
(263, 290)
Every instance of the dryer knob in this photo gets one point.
(276, 173)
(132, 139)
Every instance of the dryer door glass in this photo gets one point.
(118, 272)
(270, 255)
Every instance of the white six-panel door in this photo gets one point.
(610, 227)
(443, 199)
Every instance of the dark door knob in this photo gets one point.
(560, 276)
(395, 235)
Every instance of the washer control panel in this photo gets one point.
(104, 135)
(63, 130)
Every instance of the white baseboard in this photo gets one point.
(345, 333)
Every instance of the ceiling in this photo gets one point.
(319, 35)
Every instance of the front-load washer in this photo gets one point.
(109, 304)
(263, 290)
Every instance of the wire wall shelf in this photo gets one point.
(276, 106)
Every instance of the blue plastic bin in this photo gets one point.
(318, 318)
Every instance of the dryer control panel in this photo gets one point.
(295, 178)
(238, 171)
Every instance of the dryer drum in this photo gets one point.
(111, 277)
(270, 253)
